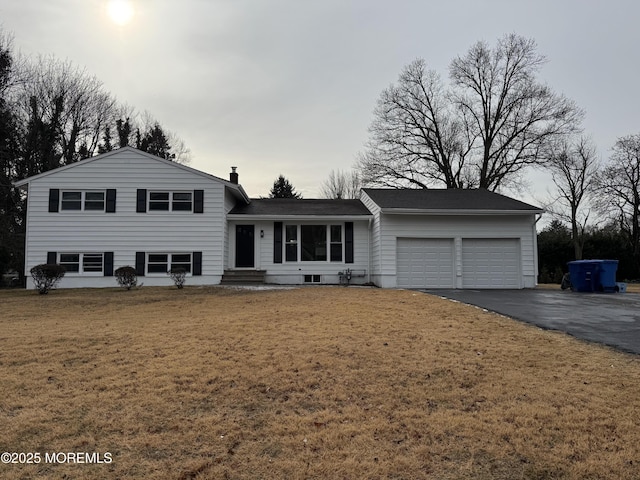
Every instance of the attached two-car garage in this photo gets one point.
(481, 263)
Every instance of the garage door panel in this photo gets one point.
(425, 263)
(491, 263)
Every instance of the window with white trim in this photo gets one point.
(336, 243)
(314, 243)
(291, 243)
(80, 200)
(170, 201)
(82, 262)
(164, 262)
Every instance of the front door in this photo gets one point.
(244, 246)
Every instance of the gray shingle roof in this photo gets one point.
(306, 207)
(446, 199)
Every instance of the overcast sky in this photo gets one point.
(289, 86)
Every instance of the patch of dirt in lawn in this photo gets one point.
(306, 383)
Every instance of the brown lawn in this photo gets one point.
(309, 383)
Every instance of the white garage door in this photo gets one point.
(491, 263)
(425, 263)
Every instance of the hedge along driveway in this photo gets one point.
(609, 318)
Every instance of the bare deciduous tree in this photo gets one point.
(575, 168)
(495, 119)
(341, 185)
(619, 185)
(74, 105)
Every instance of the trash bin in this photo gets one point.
(583, 274)
(607, 279)
(593, 275)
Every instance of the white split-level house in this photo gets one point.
(127, 207)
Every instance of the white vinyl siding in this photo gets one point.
(126, 231)
(425, 263)
(491, 263)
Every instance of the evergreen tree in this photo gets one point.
(282, 188)
(155, 142)
(123, 128)
(106, 145)
(11, 204)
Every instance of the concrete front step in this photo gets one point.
(243, 277)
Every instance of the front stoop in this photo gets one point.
(243, 277)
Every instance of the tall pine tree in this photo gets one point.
(282, 188)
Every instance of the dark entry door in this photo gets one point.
(244, 246)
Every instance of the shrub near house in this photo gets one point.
(46, 276)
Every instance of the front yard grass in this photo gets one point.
(307, 383)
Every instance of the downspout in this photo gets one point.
(535, 248)
(369, 250)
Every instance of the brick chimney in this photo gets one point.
(233, 176)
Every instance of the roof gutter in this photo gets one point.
(448, 211)
(240, 216)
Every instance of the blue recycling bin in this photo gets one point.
(582, 274)
(593, 275)
(607, 280)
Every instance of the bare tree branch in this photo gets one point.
(575, 169)
(494, 120)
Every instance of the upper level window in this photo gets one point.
(170, 201)
(181, 201)
(71, 201)
(78, 200)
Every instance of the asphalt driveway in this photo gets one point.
(612, 319)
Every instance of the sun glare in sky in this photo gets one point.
(120, 11)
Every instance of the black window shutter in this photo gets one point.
(277, 242)
(141, 201)
(54, 199)
(348, 242)
(111, 200)
(108, 264)
(196, 268)
(52, 257)
(140, 258)
(198, 201)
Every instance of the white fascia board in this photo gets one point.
(291, 218)
(466, 212)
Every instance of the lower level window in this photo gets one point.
(312, 279)
(163, 262)
(82, 262)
